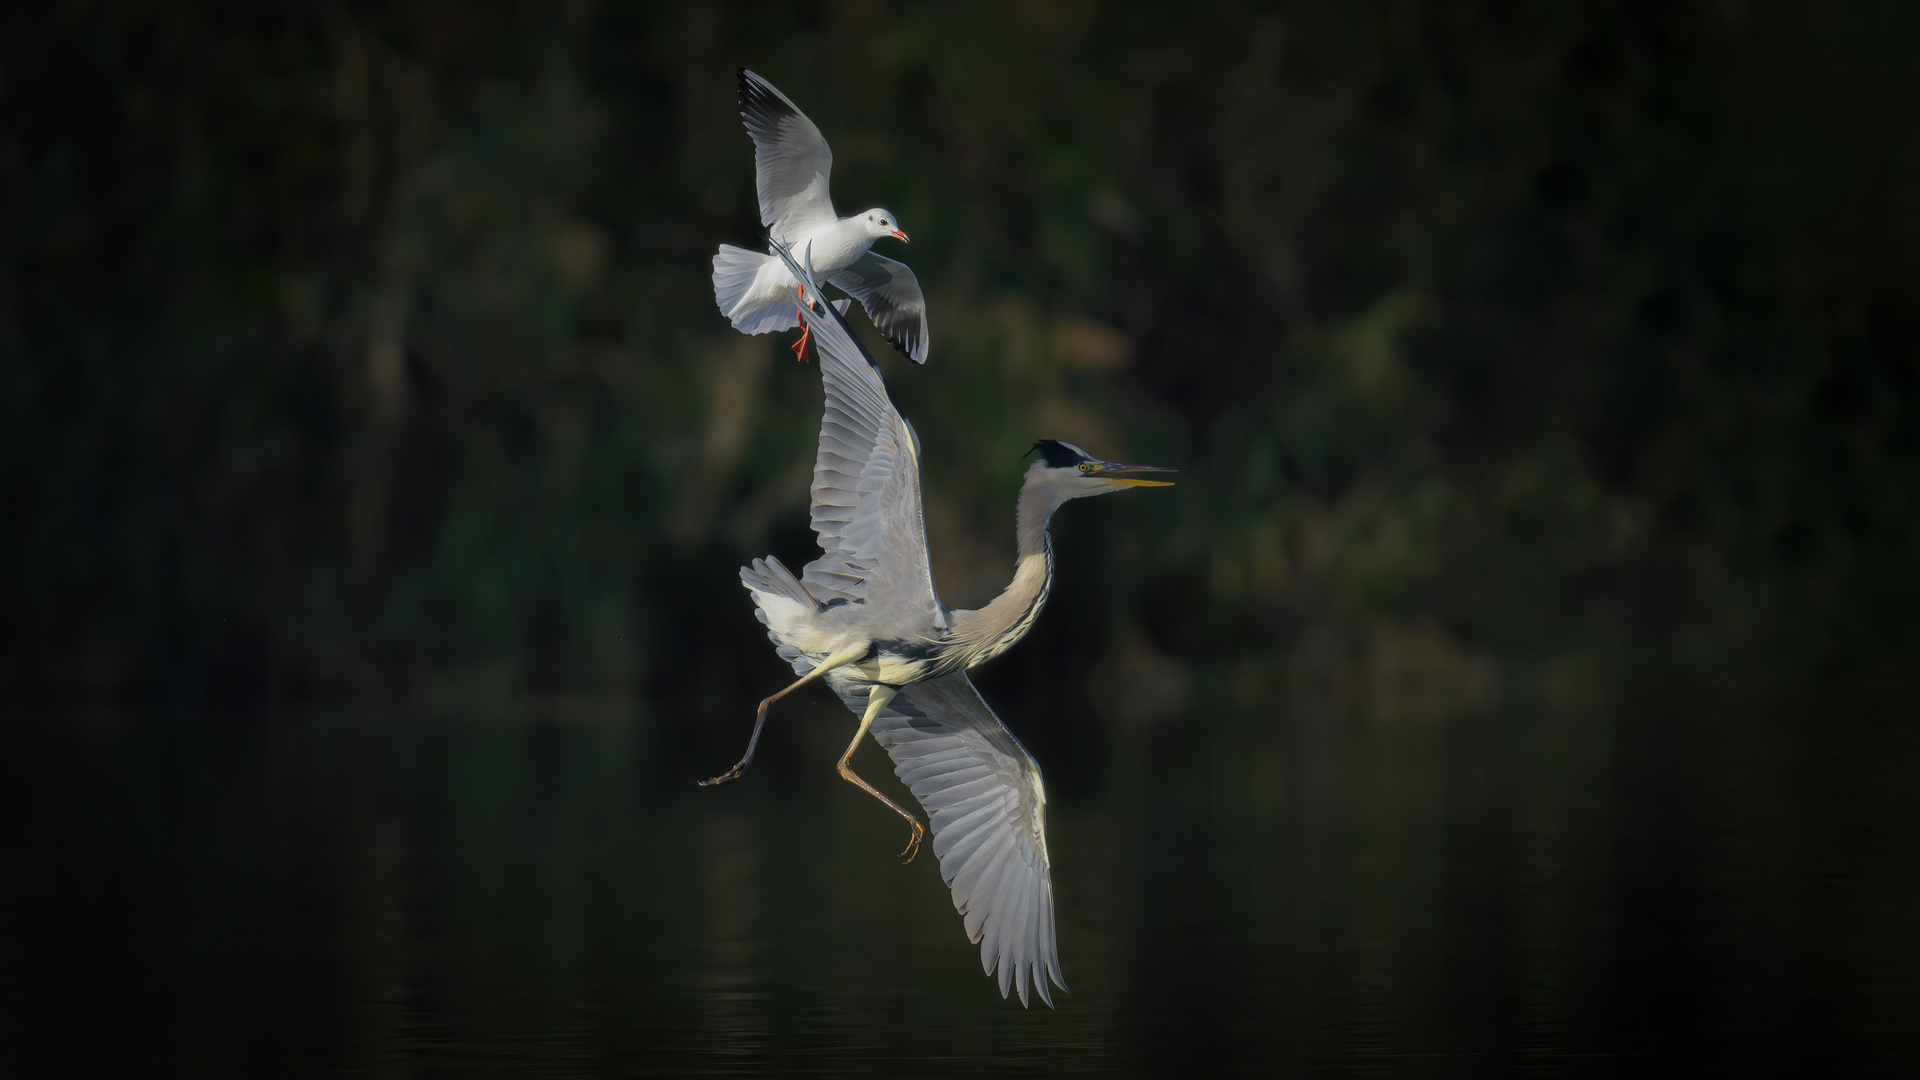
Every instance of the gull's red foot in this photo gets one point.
(800, 347)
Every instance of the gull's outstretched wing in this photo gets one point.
(987, 809)
(892, 297)
(791, 161)
(866, 486)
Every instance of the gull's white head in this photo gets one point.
(880, 222)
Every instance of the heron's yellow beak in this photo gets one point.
(1115, 473)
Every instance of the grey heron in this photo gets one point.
(865, 617)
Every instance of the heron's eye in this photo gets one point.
(1086, 466)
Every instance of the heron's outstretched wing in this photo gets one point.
(987, 808)
(791, 161)
(866, 487)
(892, 297)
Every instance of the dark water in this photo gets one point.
(1683, 878)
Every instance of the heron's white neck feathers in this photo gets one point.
(984, 633)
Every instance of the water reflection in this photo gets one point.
(544, 890)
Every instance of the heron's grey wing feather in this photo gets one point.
(987, 808)
(791, 161)
(892, 297)
(866, 493)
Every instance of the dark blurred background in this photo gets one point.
(1521, 361)
(352, 344)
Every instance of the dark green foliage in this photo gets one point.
(348, 342)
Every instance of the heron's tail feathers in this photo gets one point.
(771, 576)
(763, 310)
(780, 601)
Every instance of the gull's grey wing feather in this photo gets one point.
(892, 297)
(791, 161)
(987, 808)
(866, 488)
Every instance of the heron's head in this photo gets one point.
(881, 222)
(1069, 472)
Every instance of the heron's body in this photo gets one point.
(895, 653)
(818, 633)
(865, 617)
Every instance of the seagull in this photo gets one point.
(791, 164)
(865, 617)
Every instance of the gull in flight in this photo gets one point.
(791, 166)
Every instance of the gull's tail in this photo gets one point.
(735, 273)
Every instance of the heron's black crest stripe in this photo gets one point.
(1059, 455)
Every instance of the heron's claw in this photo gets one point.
(913, 845)
(730, 774)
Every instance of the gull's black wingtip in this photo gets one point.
(760, 101)
(905, 348)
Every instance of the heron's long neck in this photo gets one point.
(984, 633)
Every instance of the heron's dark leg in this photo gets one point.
(877, 699)
(852, 652)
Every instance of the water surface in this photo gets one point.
(541, 889)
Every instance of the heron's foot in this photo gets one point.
(730, 774)
(913, 845)
(806, 335)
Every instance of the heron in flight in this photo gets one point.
(865, 617)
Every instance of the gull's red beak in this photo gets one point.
(900, 236)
